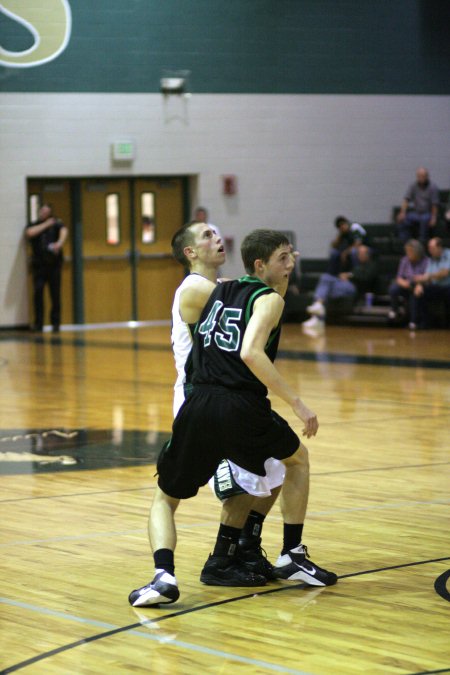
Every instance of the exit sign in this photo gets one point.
(123, 151)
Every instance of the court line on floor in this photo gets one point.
(370, 421)
(140, 531)
(379, 507)
(111, 630)
(363, 359)
(440, 585)
(289, 355)
(311, 514)
(115, 630)
(152, 487)
(78, 494)
(379, 468)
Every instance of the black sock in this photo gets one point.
(164, 560)
(227, 540)
(292, 537)
(253, 525)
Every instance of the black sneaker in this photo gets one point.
(254, 557)
(228, 571)
(294, 566)
(162, 590)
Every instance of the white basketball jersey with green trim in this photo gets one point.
(181, 341)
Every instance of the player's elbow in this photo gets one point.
(248, 355)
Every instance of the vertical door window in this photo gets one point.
(148, 225)
(112, 219)
(34, 203)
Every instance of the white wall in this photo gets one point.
(299, 159)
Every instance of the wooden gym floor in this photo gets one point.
(82, 417)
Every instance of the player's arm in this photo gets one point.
(266, 316)
(194, 298)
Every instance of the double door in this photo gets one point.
(118, 265)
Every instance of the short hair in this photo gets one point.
(365, 249)
(182, 238)
(339, 220)
(201, 208)
(416, 246)
(260, 244)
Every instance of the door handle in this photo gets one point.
(94, 258)
(154, 256)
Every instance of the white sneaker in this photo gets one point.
(296, 566)
(163, 590)
(313, 322)
(317, 309)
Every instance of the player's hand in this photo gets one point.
(308, 417)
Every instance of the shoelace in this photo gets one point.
(256, 549)
(262, 552)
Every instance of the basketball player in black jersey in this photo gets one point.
(229, 415)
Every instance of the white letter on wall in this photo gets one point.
(49, 22)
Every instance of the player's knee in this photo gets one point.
(304, 456)
(299, 458)
(162, 499)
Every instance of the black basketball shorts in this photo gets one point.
(216, 422)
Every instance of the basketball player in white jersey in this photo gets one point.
(247, 497)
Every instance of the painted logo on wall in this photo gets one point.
(50, 24)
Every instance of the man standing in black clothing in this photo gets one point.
(47, 236)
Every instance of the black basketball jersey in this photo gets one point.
(219, 333)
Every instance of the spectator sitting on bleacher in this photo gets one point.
(410, 267)
(362, 279)
(433, 286)
(422, 200)
(344, 247)
(447, 212)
